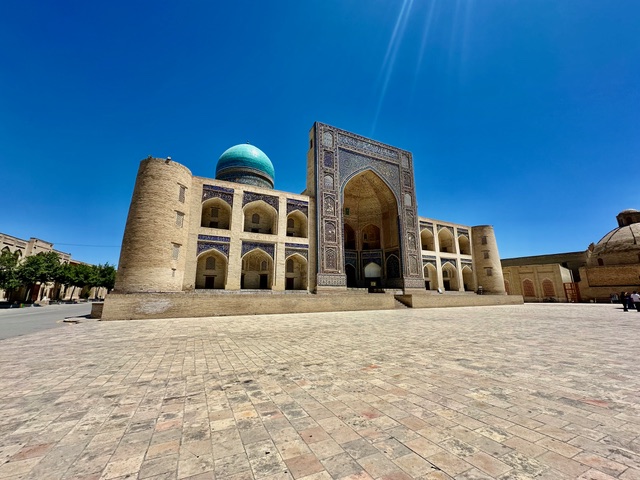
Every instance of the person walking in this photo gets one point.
(635, 298)
(624, 300)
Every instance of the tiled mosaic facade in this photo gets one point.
(214, 244)
(340, 157)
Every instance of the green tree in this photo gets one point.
(43, 268)
(106, 275)
(9, 281)
(85, 276)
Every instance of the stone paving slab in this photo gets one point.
(549, 391)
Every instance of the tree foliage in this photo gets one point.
(46, 267)
(9, 281)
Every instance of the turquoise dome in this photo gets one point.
(246, 164)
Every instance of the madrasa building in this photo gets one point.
(353, 240)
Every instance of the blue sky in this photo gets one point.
(523, 114)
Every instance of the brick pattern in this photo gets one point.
(533, 391)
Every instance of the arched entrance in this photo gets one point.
(257, 270)
(211, 271)
(371, 237)
(296, 273)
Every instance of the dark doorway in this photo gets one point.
(447, 284)
(352, 281)
(289, 284)
(264, 281)
(209, 281)
(427, 285)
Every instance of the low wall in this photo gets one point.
(136, 306)
(457, 300)
(96, 309)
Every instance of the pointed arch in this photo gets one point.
(528, 289)
(548, 289)
(427, 240)
(296, 272)
(257, 270)
(297, 224)
(450, 277)
(260, 217)
(468, 279)
(446, 240)
(211, 270)
(464, 245)
(430, 277)
(215, 213)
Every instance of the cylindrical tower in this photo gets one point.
(486, 260)
(153, 252)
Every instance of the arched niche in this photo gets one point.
(445, 241)
(468, 280)
(296, 272)
(257, 270)
(260, 217)
(216, 213)
(370, 222)
(427, 240)
(450, 277)
(464, 245)
(211, 271)
(430, 277)
(297, 224)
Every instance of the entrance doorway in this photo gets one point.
(210, 281)
(371, 232)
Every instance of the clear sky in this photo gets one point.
(523, 114)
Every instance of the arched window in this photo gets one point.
(263, 265)
(210, 264)
(547, 288)
(255, 218)
(527, 288)
(600, 262)
(290, 223)
(289, 266)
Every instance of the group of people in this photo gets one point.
(630, 300)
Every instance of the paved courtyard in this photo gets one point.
(547, 391)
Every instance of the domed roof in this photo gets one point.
(245, 163)
(621, 246)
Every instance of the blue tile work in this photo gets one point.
(339, 155)
(296, 245)
(452, 261)
(214, 238)
(213, 191)
(249, 197)
(367, 146)
(428, 262)
(467, 263)
(268, 248)
(221, 247)
(440, 227)
(351, 164)
(351, 258)
(300, 251)
(369, 256)
(328, 159)
(463, 231)
(297, 205)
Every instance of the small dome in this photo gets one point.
(246, 164)
(621, 246)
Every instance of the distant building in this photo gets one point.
(608, 267)
(43, 292)
(196, 246)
